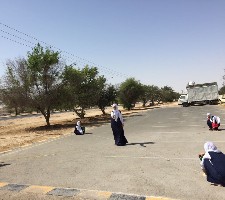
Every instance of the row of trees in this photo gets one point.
(43, 83)
(222, 89)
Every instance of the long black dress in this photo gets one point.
(118, 132)
(215, 168)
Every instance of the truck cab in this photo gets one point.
(183, 100)
(222, 99)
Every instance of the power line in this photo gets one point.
(17, 37)
(51, 46)
(67, 58)
(15, 41)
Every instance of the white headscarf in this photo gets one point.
(78, 123)
(115, 114)
(115, 106)
(216, 119)
(209, 147)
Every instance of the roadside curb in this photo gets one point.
(73, 192)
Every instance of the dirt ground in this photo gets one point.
(20, 131)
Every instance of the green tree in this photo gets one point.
(144, 94)
(83, 88)
(129, 92)
(154, 94)
(45, 70)
(107, 97)
(168, 94)
(15, 85)
(222, 90)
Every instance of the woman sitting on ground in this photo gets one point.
(79, 130)
(213, 164)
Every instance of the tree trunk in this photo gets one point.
(144, 102)
(46, 115)
(81, 113)
(103, 111)
(129, 107)
(16, 111)
(47, 118)
(153, 102)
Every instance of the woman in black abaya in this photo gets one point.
(213, 164)
(117, 126)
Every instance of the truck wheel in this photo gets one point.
(185, 104)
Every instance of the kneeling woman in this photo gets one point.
(117, 126)
(213, 164)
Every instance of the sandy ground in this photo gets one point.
(21, 131)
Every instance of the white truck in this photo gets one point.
(206, 93)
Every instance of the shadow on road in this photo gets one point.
(220, 129)
(141, 143)
(88, 133)
(2, 164)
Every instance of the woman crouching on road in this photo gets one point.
(117, 126)
(213, 122)
(213, 164)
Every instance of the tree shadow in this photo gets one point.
(125, 117)
(141, 143)
(146, 108)
(97, 120)
(2, 164)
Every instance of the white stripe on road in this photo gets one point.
(171, 126)
(152, 157)
(190, 141)
(167, 132)
(159, 126)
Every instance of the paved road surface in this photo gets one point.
(160, 159)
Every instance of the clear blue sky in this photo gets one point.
(159, 42)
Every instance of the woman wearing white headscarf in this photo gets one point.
(79, 130)
(213, 164)
(117, 126)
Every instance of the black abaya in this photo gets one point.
(118, 132)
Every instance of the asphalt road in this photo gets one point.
(161, 158)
